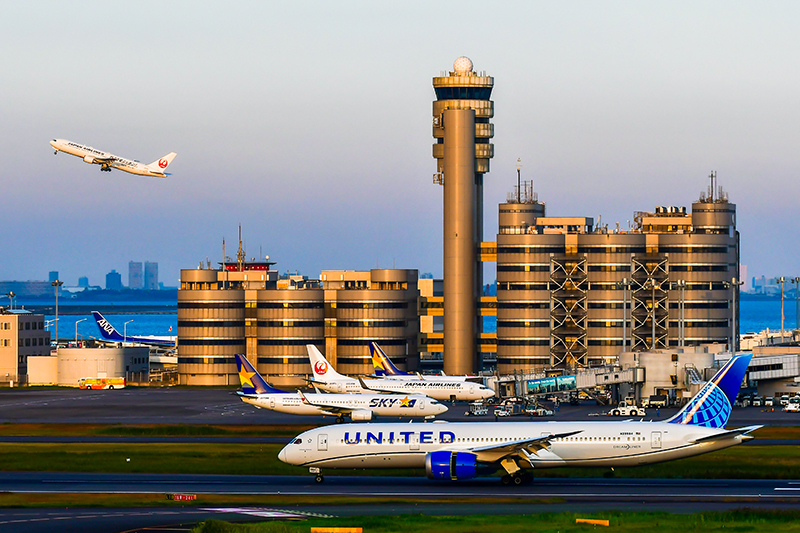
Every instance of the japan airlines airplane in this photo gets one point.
(327, 378)
(465, 450)
(384, 368)
(109, 333)
(108, 161)
(256, 391)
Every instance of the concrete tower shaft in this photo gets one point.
(460, 321)
(462, 90)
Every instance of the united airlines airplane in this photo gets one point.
(325, 377)
(256, 391)
(465, 450)
(108, 161)
(384, 368)
(109, 333)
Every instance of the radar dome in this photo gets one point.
(462, 65)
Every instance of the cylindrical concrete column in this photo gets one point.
(460, 350)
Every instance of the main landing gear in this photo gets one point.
(318, 477)
(517, 479)
(105, 168)
(339, 419)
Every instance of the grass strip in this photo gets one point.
(620, 522)
(150, 430)
(741, 462)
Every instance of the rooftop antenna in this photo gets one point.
(240, 258)
(519, 187)
(712, 176)
(224, 266)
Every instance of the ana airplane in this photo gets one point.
(465, 450)
(108, 161)
(256, 391)
(325, 377)
(109, 333)
(384, 368)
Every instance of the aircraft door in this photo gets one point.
(422, 404)
(272, 402)
(472, 389)
(322, 442)
(655, 440)
(339, 387)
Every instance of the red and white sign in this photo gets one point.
(162, 163)
(320, 368)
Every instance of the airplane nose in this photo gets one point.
(282, 455)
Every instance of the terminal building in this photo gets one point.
(571, 293)
(246, 307)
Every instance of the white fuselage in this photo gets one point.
(329, 404)
(95, 156)
(607, 444)
(433, 388)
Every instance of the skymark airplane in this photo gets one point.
(109, 333)
(256, 391)
(325, 377)
(384, 368)
(108, 161)
(465, 450)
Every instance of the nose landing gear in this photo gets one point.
(318, 477)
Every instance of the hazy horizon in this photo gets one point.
(310, 125)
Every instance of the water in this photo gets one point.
(756, 316)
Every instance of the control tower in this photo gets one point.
(461, 127)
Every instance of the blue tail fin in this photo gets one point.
(107, 331)
(382, 364)
(711, 407)
(252, 382)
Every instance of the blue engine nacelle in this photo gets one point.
(451, 465)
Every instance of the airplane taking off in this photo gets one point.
(325, 377)
(384, 368)
(108, 161)
(465, 450)
(256, 391)
(109, 333)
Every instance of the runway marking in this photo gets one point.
(264, 513)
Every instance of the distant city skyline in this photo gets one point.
(309, 125)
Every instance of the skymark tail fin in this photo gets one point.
(251, 380)
(107, 331)
(160, 165)
(381, 362)
(711, 407)
(321, 369)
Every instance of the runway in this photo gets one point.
(421, 495)
(584, 489)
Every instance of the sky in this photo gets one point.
(309, 124)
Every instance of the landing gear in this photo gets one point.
(318, 477)
(105, 168)
(519, 478)
(339, 419)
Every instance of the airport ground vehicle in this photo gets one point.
(101, 383)
(538, 411)
(477, 409)
(792, 407)
(768, 401)
(758, 401)
(627, 409)
(654, 401)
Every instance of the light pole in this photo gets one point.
(57, 284)
(76, 328)
(796, 281)
(11, 295)
(734, 330)
(125, 332)
(47, 323)
(782, 280)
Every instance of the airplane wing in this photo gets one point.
(524, 449)
(332, 409)
(728, 434)
(380, 391)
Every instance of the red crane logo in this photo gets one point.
(162, 163)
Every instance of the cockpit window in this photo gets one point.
(298, 441)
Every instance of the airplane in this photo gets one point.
(325, 377)
(465, 450)
(109, 333)
(108, 161)
(384, 368)
(256, 391)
